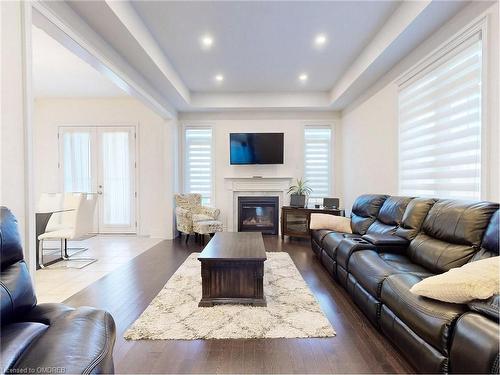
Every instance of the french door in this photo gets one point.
(101, 160)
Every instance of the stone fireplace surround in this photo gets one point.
(253, 186)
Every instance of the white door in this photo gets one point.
(101, 160)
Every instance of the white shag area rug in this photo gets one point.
(292, 311)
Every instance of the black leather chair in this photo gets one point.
(46, 338)
(433, 236)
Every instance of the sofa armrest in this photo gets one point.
(348, 246)
(387, 242)
(201, 217)
(489, 307)
(46, 313)
(474, 346)
(78, 341)
(184, 219)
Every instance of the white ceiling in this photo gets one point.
(260, 47)
(57, 72)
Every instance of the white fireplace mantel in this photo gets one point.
(253, 186)
(257, 183)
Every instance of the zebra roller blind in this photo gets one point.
(440, 127)
(198, 164)
(317, 161)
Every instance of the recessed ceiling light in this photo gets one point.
(219, 78)
(303, 77)
(320, 40)
(206, 41)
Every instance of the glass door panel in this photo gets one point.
(77, 160)
(116, 179)
(101, 160)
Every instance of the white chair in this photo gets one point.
(49, 202)
(66, 219)
(59, 220)
(81, 224)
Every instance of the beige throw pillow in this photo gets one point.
(475, 280)
(336, 223)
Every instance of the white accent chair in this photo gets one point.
(80, 224)
(47, 203)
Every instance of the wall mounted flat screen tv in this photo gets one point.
(256, 148)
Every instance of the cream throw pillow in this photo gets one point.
(332, 222)
(475, 280)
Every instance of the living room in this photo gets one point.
(258, 187)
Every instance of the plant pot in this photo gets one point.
(297, 200)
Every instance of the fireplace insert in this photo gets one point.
(258, 214)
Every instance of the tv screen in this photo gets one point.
(256, 148)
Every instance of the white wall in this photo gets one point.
(369, 147)
(156, 159)
(370, 125)
(14, 136)
(290, 123)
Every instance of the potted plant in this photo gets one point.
(299, 192)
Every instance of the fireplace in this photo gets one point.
(258, 214)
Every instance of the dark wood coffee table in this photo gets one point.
(232, 269)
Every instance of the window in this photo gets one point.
(198, 163)
(317, 161)
(77, 161)
(440, 127)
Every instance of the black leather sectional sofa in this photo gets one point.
(46, 338)
(398, 241)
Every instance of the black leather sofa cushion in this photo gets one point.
(17, 294)
(403, 264)
(348, 246)
(381, 228)
(474, 348)
(319, 234)
(432, 320)
(364, 211)
(332, 240)
(393, 209)
(439, 256)
(451, 234)
(488, 307)
(80, 341)
(10, 242)
(414, 217)
(459, 222)
(370, 268)
(390, 215)
(16, 338)
(47, 313)
(491, 236)
(489, 246)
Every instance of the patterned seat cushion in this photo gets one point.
(207, 226)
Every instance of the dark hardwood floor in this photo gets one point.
(126, 292)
